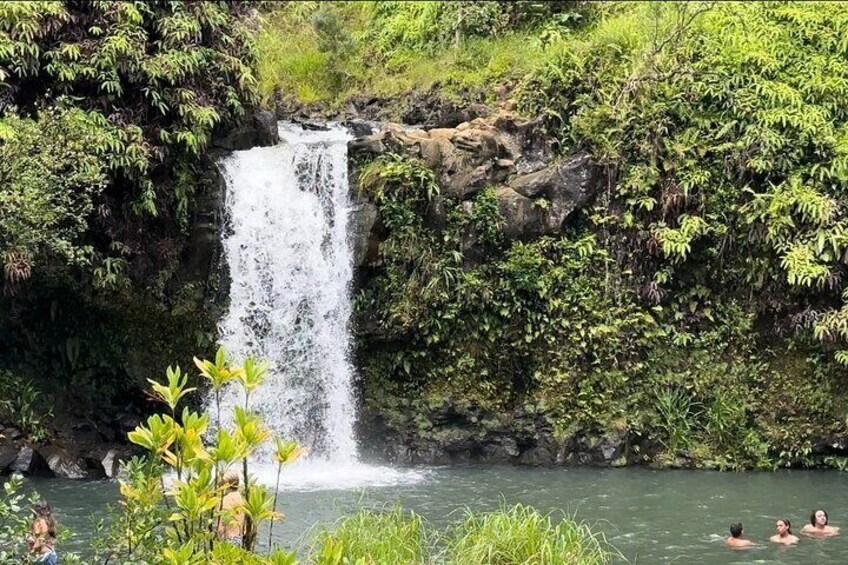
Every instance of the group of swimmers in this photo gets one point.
(818, 527)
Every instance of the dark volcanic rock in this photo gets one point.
(8, 452)
(522, 218)
(29, 462)
(568, 185)
(257, 130)
(366, 242)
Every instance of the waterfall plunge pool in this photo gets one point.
(649, 516)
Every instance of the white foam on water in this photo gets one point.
(310, 475)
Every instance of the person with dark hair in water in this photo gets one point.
(42, 534)
(735, 539)
(784, 534)
(818, 525)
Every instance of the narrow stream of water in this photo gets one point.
(650, 516)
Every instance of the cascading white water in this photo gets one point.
(290, 263)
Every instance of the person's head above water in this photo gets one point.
(736, 529)
(41, 508)
(42, 511)
(230, 480)
(818, 518)
(784, 527)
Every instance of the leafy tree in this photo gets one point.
(165, 74)
(50, 176)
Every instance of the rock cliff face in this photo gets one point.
(537, 191)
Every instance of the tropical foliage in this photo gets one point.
(699, 294)
(178, 524)
(106, 112)
(328, 52)
(163, 75)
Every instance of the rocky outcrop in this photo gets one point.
(363, 222)
(63, 463)
(567, 185)
(466, 435)
(537, 191)
(74, 451)
(66, 460)
(8, 448)
(429, 109)
(29, 462)
(257, 130)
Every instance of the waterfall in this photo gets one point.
(290, 262)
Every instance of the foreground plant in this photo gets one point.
(370, 537)
(178, 523)
(521, 535)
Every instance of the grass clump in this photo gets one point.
(369, 537)
(514, 535)
(521, 535)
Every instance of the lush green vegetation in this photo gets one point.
(511, 535)
(326, 52)
(106, 110)
(374, 537)
(697, 305)
(175, 524)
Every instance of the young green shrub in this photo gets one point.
(188, 531)
(676, 413)
(520, 535)
(22, 405)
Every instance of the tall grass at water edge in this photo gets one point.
(514, 535)
(370, 537)
(521, 535)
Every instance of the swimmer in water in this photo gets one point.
(818, 525)
(784, 534)
(735, 539)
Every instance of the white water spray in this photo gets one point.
(290, 262)
(291, 266)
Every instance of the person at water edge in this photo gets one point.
(735, 539)
(231, 524)
(784, 533)
(818, 525)
(42, 534)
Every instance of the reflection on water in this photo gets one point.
(650, 516)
